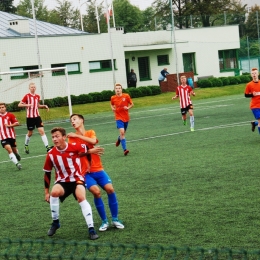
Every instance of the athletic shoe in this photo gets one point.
(26, 149)
(104, 226)
(126, 152)
(93, 234)
(253, 126)
(192, 129)
(48, 148)
(184, 122)
(52, 230)
(18, 157)
(118, 142)
(19, 166)
(117, 223)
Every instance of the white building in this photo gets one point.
(205, 51)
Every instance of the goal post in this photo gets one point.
(52, 84)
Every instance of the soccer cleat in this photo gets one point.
(52, 230)
(18, 157)
(253, 126)
(26, 149)
(184, 122)
(126, 152)
(104, 226)
(192, 129)
(48, 148)
(19, 166)
(117, 223)
(93, 234)
(118, 142)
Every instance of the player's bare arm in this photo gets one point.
(47, 181)
(44, 106)
(12, 125)
(82, 137)
(21, 104)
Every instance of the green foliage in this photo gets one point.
(225, 81)
(156, 90)
(251, 23)
(7, 6)
(13, 107)
(85, 98)
(245, 78)
(74, 99)
(134, 92)
(145, 91)
(49, 102)
(107, 94)
(216, 82)
(233, 80)
(204, 83)
(60, 101)
(96, 96)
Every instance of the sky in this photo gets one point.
(142, 4)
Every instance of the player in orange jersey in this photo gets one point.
(95, 176)
(120, 105)
(253, 91)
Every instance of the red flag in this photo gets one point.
(108, 13)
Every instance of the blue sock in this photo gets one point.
(113, 204)
(123, 143)
(256, 123)
(259, 129)
(100, 208)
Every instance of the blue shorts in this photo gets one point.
(121, 124)
(256, 112)
(100, 178)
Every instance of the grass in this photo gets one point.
(175, 187)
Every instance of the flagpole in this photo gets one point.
(113, 14)
(111, 47)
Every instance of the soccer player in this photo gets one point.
(64, 158)
(183, 92)
(7, 135)
(31, 102)
(120, 105)
(253, 91)
(96, 175)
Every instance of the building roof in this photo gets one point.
(43, 28)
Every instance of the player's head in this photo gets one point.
(77, 120)
(58, 135)
(32, 87)
(2, 108)
(183, 79)
(254, 74)
(118, 88)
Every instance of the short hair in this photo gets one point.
(32, 83)
(59, 129)
(253, 69)
(118, 84)
(2, 104)
(78, 115)
(183, 76)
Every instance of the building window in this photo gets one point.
(101, 65)
(22, 75)
(163, 60)
(144, 68)
(189, 62)
(72, 68)
(228, 60)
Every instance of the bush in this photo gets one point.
(216, 82)
(96, 96)
(74, 99)
(204, 83)
(145, 91)
(134, 92)
(156, 90)
(225, 81)
(245, 78)
(60, 101)
(49, 102)
(233, 80)
(107, 94)
(13, 107)
(85, 98)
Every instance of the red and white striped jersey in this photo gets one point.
(66, 162)
(7, 132)
(35, 101)
(184, 95)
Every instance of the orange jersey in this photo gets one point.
(95, 165)
(119, 102)
(250, 88)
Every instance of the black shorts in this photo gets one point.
(10, 141)
(186, 109)
(34, 122)
(69, 188)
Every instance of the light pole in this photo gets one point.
(81, 18)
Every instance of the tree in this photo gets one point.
(7, 6)
(251, 23)
(149, 19)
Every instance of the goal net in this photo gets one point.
(52, 85)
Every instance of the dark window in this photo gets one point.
(22, 75)
(72, 68)
(163, 60)
(101, 65)
(189, 62)
(144, 68)
(227, 60)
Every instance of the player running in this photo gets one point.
(7, 135)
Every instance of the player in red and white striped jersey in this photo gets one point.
(31, 102)
(7, 134)
(183, 92)
(64, 158)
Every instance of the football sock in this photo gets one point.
(55, 207)
(256, 123)
(45, 140)
(123, 143)
(113, 204)
(100, 208)
(87, 213)
(27, 140)
(13, 158)
(259, 129)
(192, 121)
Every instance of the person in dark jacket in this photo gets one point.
(132, 79)
(162, 75)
